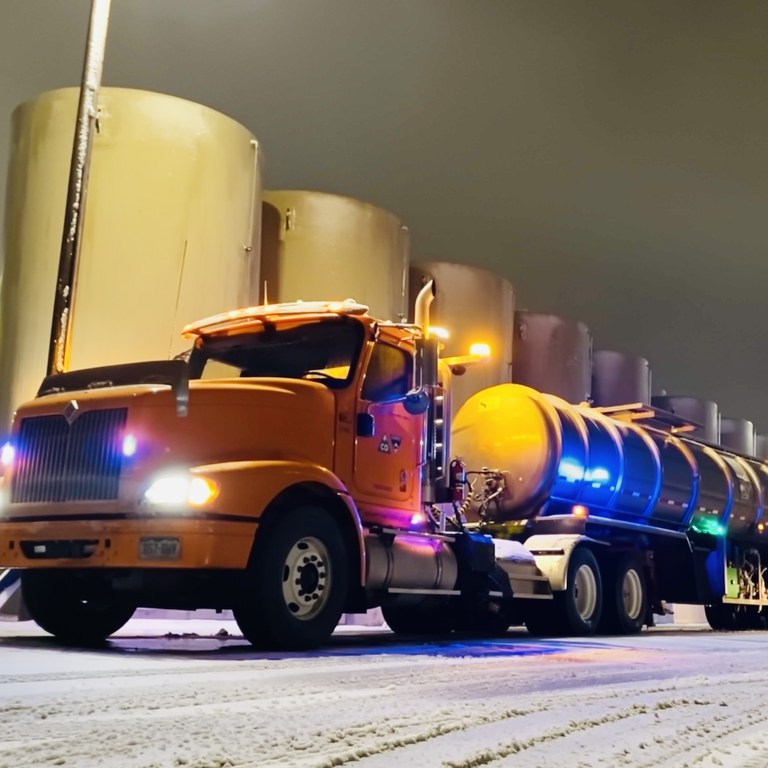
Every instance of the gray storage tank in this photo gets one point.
(619, 378)
(738, 435)
(553, 354)
(702, 412)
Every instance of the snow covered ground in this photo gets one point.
(200, 697)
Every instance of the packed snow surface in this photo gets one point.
(196, 695)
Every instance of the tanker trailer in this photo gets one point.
(620, 509)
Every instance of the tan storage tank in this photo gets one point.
(619, 378)
(473, 305)
(171, 230)
(319, 246)
(553, 354)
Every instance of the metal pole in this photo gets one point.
(61, 325)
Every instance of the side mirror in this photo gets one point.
(416, 401)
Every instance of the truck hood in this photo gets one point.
(227, 420)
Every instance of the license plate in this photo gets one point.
(159, 549)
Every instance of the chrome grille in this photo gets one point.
(58, 461)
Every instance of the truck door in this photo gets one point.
(386, 464)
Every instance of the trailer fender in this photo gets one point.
(553, 553)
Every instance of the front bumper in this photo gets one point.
(127, 543)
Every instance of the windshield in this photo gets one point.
(324, 351)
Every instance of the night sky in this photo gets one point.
(610, 158)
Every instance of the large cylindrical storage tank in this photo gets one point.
(553, 457)
(171, 230)
(738, 435)
(553, 354)
(319, 246)
(702, 412)
(619, 378)
(473, 305)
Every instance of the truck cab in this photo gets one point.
(279, 470)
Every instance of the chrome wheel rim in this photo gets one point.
(585, 592)
(306, 578)
(632, 594)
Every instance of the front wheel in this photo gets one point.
(75, 608)
(295, 586)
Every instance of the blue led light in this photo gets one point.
(598, 475)
(129, 446)
(571, 470)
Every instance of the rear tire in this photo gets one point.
(721, 617)
(625, 600)
(295, 586)
(429, 618)
(75, 609)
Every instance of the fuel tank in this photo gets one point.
(171, 230)
(554, 456)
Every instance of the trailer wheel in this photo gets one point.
(295, 586)
(722, 617)
(579, 606)
(74, 609)
(626, 598)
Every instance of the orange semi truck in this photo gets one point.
(293, 467)
(299, 462)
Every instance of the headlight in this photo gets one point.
(7, 455)
(181, 489)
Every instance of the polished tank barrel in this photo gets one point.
(171, 230)
(555, 457)
(319, 246)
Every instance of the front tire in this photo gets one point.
(295, 586)
(76, 609)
